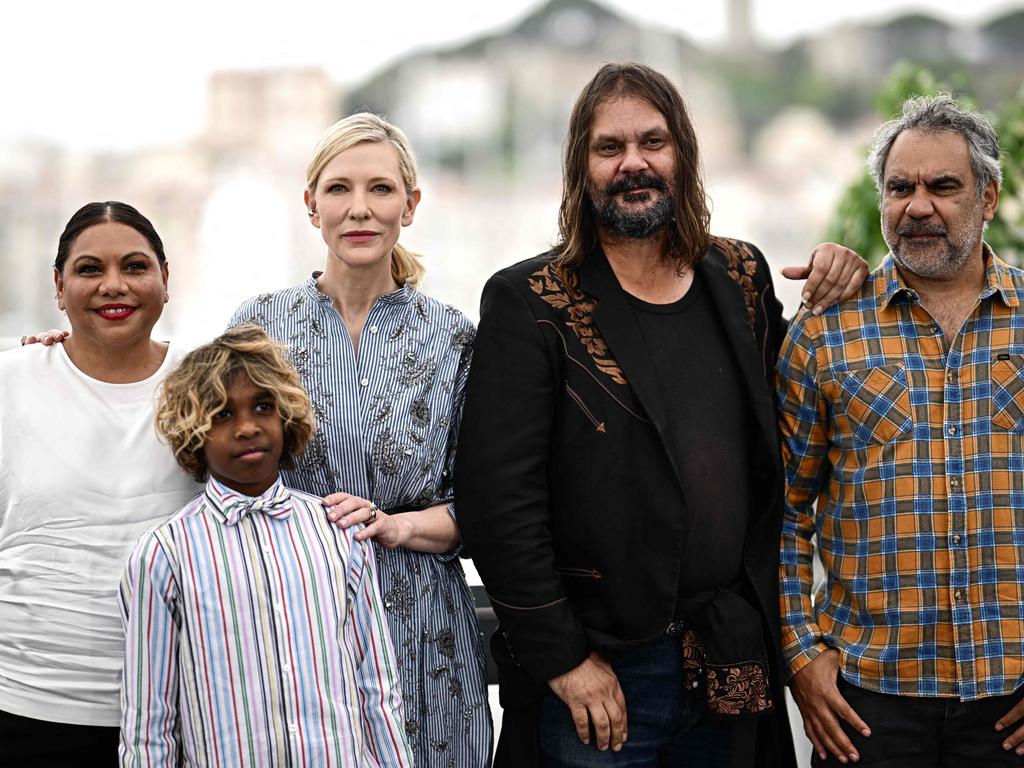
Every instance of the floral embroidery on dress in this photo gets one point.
(742, 267)
(559, 288)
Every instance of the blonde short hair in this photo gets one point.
(368, 127)
(197, 389)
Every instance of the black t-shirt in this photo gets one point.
(709, 425)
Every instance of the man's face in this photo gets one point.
(932, 218)
(630, 167)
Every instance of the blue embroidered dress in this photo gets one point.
(387, 421)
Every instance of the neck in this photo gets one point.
(966, 283)
(354, 289)
(644, 268)
(120, 365)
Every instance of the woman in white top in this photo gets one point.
(82, 476)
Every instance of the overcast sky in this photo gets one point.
(125, 73)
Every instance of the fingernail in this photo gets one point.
(866, 732)
(854, 756)
(617, 748)
(1020, 749)
(999, 726)
(1007, 745)
(819, 309)
(806, 297)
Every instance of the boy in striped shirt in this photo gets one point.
(255, 635)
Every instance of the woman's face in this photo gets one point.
(112, 287)
(360, 204)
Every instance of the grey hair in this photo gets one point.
(933, 114)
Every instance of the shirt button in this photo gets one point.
(950, 376)
(286, 667)
(373, 329)
(277, 607)
(935, 329)
(293, 727)
(952, 430)
(954, 483)
(364, 382)
(956, 538)
(267, 548)
(957, 594)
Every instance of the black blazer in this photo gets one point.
(562, 405)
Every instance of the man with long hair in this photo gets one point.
(618, 480)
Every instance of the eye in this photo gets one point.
(86, 269)
(221, 415)
(336, 188)
(607, 148)
(137, 266)
(383, 189)
(265, 407)
(899, 187)
(654, 142)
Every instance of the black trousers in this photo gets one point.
(927, 732)
(29, 743)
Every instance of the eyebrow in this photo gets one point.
(370, 181)
(646, 134)
(129, 255)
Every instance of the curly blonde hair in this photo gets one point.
(197, 389)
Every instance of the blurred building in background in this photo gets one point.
(781, 131)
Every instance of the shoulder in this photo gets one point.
(161, 536)
(438, 311)
(738, 257)
(265, 308)
(540, 282)
(27, 358)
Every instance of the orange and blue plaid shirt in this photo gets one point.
(905, 460)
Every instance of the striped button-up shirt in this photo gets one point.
(911, 445)
(256, 637)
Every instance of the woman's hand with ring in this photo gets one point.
(345, 510)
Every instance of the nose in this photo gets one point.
(113, 283)
(359, 208)
(920, 205)
(633, 160)
(246, 427)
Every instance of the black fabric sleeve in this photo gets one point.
(501, 483)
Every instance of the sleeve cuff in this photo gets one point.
(451, 554)
(804, 657)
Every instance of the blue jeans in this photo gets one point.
(667, 724)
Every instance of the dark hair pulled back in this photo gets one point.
(91, 214)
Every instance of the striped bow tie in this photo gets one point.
(278, 506)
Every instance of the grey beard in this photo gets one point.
(636, 226)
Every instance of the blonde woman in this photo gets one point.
(385, 367)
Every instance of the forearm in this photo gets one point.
(430, 530)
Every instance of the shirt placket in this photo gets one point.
(283, 651)
(953, 438)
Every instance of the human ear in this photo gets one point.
(58, 281)
(310, 202)
(411, 201)
(990, 201)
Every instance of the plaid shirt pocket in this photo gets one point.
(875, 404)
(1008, 392)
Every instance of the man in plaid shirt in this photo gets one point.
(902, 416)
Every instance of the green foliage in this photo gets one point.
(855, 222)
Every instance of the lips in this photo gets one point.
(115, 312)
(359, 235)
(251, 454)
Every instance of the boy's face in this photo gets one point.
(244, 444)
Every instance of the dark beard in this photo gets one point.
(638, 225)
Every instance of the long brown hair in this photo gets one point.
(688, 233)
